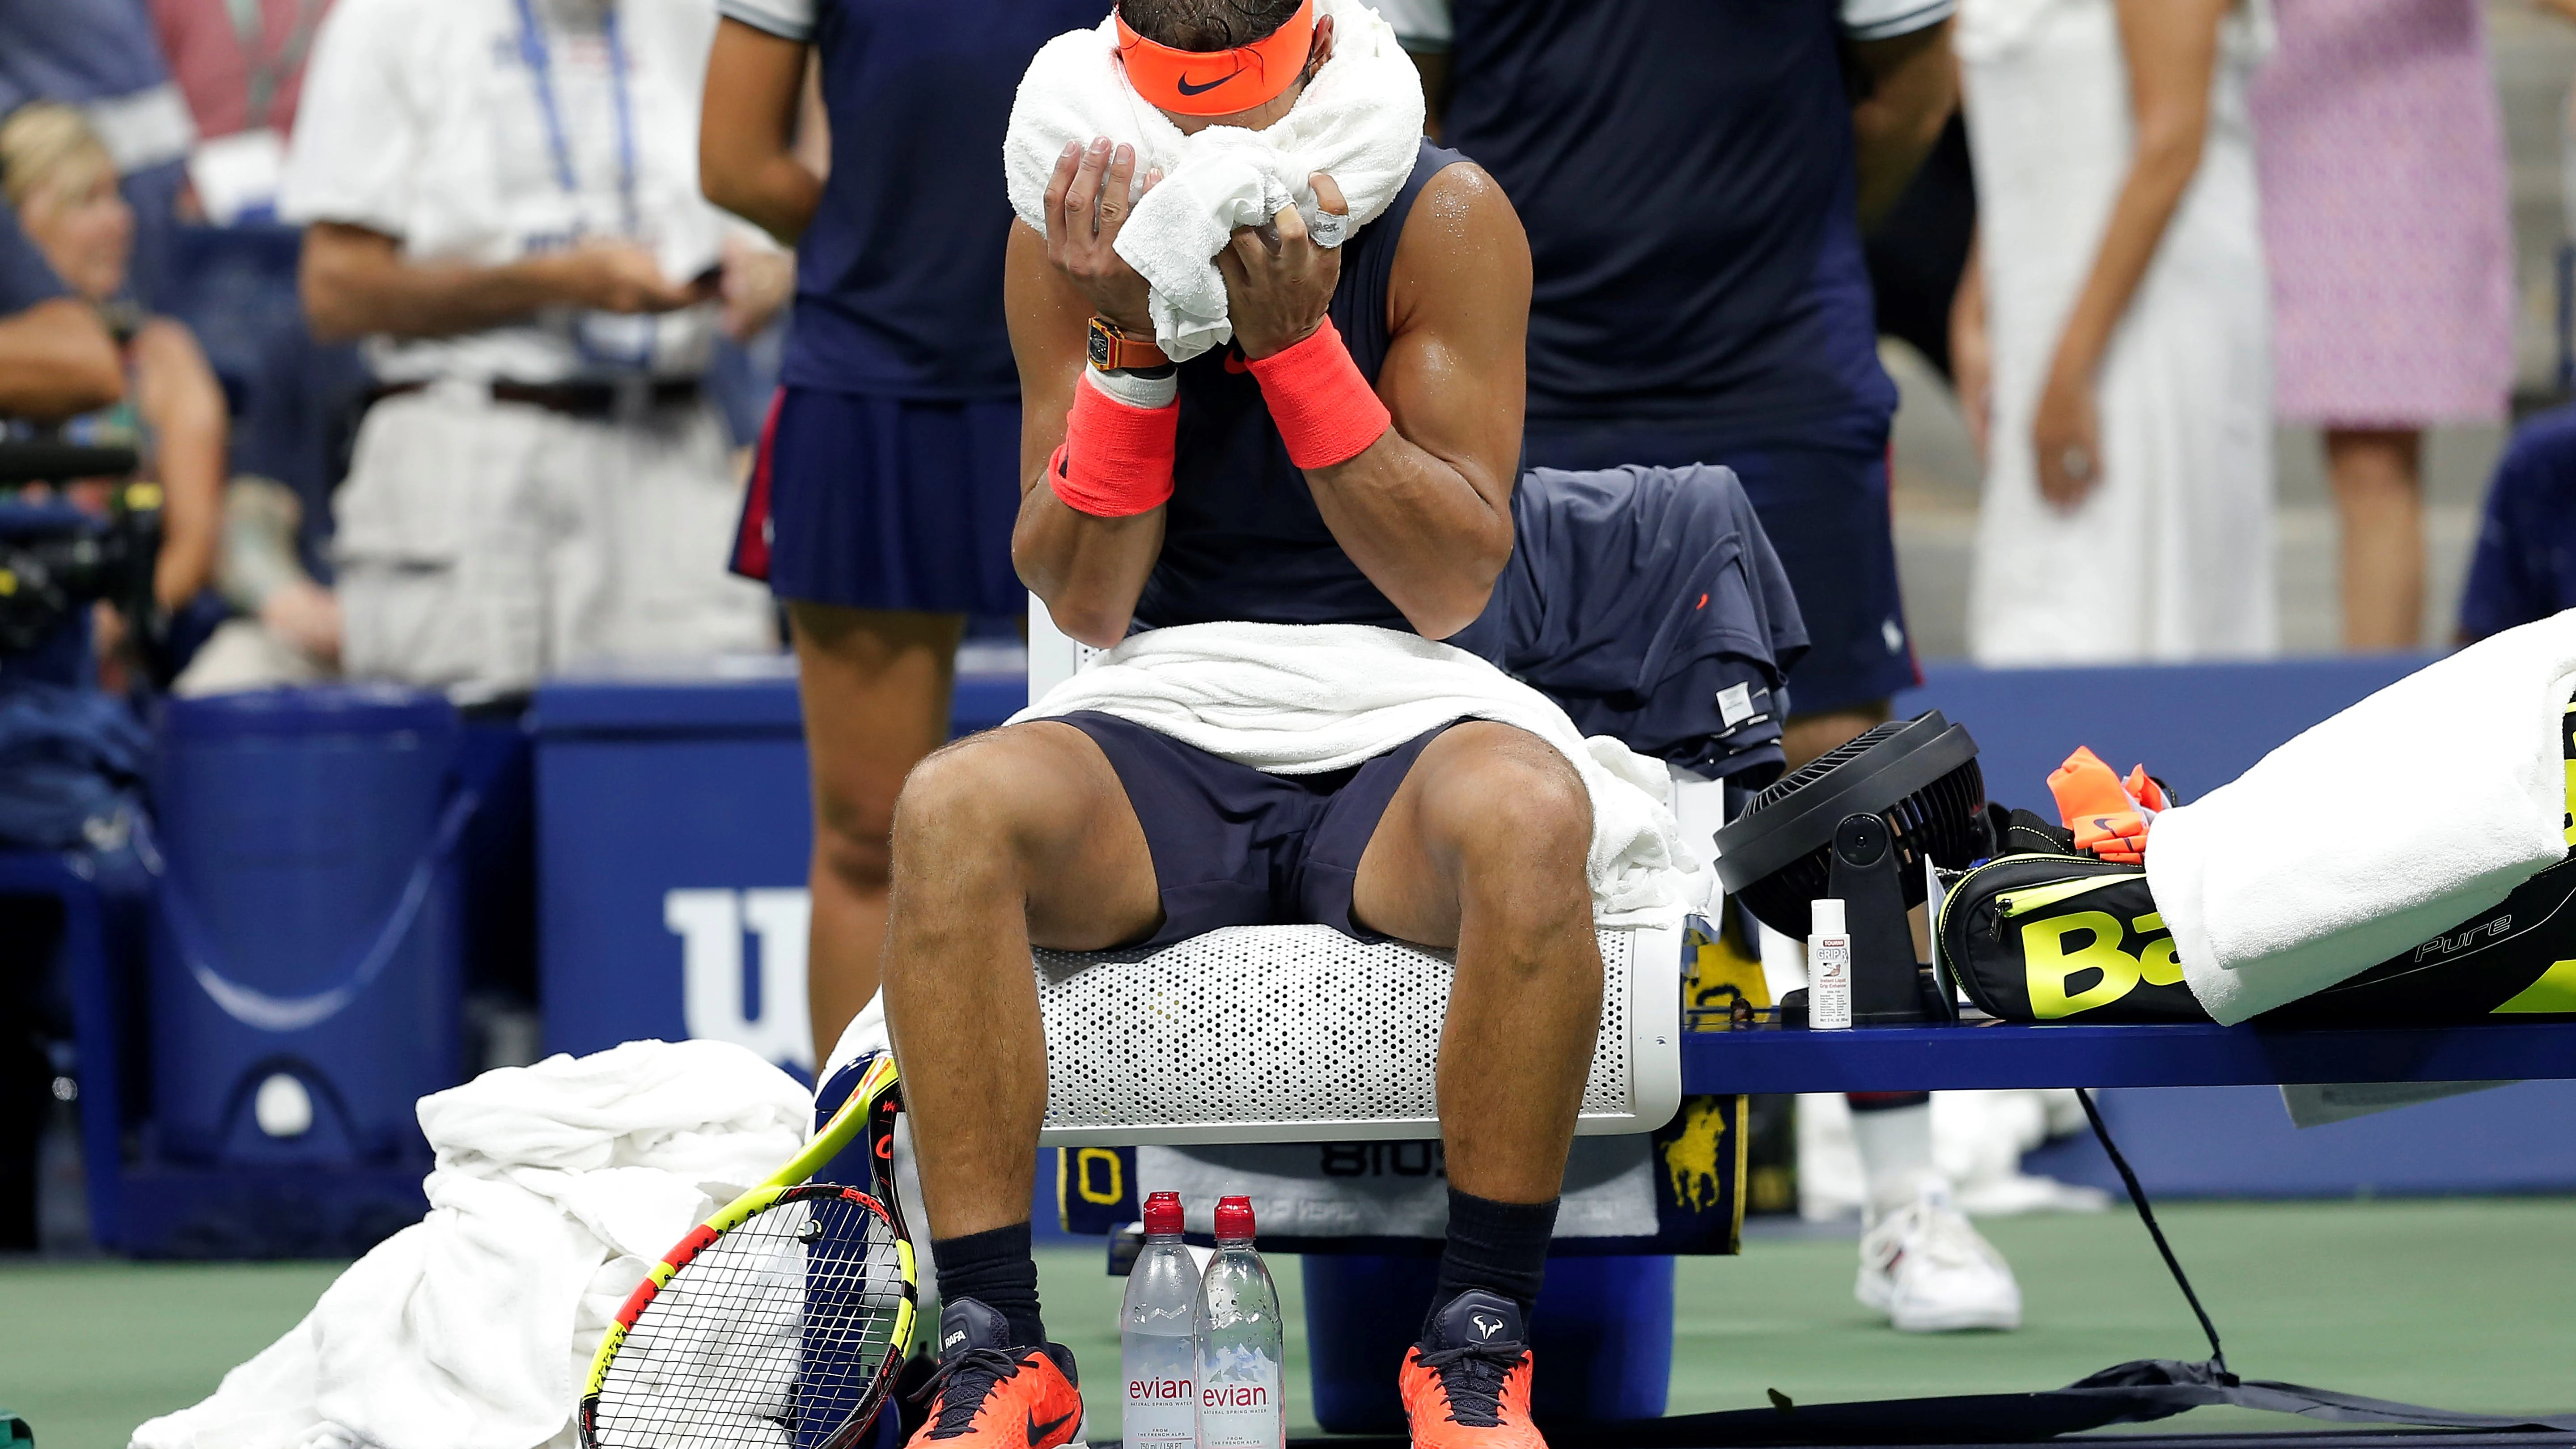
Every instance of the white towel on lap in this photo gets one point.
(2386, 824)
(1359, 122)
(556, 1187)
(1300, 699)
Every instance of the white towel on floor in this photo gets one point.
(1301, 699)
(1359, 122)
(2389, 823)
(556, 1187)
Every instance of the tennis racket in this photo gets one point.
(781, 1322)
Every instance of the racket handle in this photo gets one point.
(878, 1085)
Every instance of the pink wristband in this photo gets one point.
(1116, 460)
(1325, 411)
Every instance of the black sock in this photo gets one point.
(994, 1267)
(1500, 1247)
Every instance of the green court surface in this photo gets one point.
(2465, 1304)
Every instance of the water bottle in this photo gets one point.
(1240, 1341)
(1155, 1351)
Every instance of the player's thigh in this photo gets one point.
(1487, 809)
(1034, 807)
(874, 685)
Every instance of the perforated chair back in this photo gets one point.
(1299, 1033)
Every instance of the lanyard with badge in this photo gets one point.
(237, 176)
(596, 334)
(266, 68)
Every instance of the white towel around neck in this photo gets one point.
(1301, 699)
(1359, 121)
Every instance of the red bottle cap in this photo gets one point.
(1163, 1212)
(1234, 1220)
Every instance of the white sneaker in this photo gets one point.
(1930, 1272)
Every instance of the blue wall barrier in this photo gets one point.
(674, 830)
(2196, 725)
(674, 824)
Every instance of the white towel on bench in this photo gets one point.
(1301, 699)
(557, 1186)
(2385, 825)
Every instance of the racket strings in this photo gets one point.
(774, 1335)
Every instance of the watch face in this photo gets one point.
(1099, 347)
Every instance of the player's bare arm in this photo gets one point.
(1089, 570)
(1426, 510)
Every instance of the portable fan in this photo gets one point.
(1857, 824)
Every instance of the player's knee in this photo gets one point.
(955, 806)
(1525, 810)
(981, 799)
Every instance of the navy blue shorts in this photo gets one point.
(1824, 505)
(1233, 846)
(885, 503)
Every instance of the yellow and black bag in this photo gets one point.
(2044, 933)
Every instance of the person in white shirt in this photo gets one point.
(501, 197)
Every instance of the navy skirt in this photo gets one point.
(885, 503)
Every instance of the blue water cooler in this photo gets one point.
(1602, 1335)
(304, 988)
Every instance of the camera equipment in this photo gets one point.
(55, 559)
(1857, 824)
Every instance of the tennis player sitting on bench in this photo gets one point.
(1402, 413)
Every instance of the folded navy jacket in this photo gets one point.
(68, 757)
(1648, 604)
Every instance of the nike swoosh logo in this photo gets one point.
(1183, 84)
(1038, 1431)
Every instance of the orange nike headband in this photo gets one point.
(1218, 82)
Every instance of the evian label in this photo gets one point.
(1239, 1402)
(1161, 1412)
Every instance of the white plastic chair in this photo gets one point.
(1298, 1033)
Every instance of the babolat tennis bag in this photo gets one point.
(2043, 932)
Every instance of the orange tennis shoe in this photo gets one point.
(990, 1395)
(1466, 1385)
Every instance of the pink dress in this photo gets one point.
(2379, 150)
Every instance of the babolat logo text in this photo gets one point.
(2446, 945)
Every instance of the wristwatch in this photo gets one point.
(1114, 349)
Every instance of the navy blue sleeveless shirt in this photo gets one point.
(1241, 537)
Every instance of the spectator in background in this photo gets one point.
(100, 55)
(56, 361)
(62, 181)
(56, 358)
(1694, 178)
(2380, 148)
(241, 65)
(888, 480)
(2119, 310)
(501, 196)
(2524, 566)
